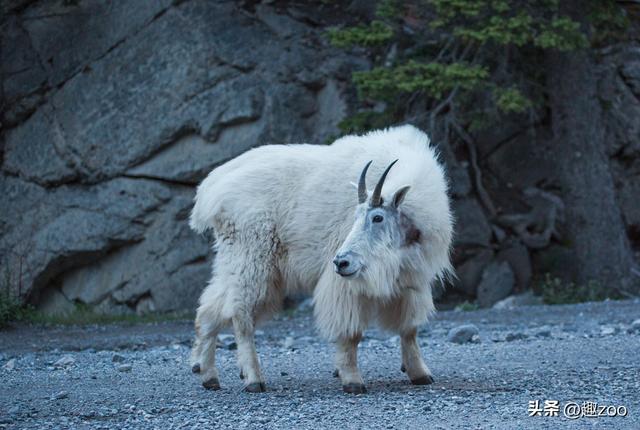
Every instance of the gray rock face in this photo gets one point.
(496, 283)
(469, 272)
(472, 227)
(517, 255)
(114, 112)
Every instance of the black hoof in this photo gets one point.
(336, 373)
(354, 388)
(195, 368)
(241, 375)
(403, 369)
(423, 380)
(211, 384)
(256, 387)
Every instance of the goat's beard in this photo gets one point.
(377, 277)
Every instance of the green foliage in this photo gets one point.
(366, 120)
(466, 307)
(471, 46)
(434, 79)
(556, 292)
(376, 33)
(388, 9)
(511, 100)
(10, 308)
(504, 22)
(433, 71)
(502, 30)
(448, 10)
(609, 20)
(562, 34)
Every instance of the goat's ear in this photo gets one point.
(399, 196)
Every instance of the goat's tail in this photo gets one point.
(206, 204)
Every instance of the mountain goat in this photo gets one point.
(286, 219)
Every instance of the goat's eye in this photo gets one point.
(377, 218)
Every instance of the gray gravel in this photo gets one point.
(566, 353)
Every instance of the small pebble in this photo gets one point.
(117, 358)
(510, 337)
(288, 342)
(10, 365)
(61, 395)
(544, 333)
(65, 361)
(608, 331)
(463, 334)
(124, 368)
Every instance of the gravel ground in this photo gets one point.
(138, 376)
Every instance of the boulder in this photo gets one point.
(517, 255)
(496, 283)
(470, 272)
(472, 227)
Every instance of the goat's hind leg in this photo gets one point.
(257, 298)
(209, 322)
(248, 362)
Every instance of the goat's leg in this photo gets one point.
(196, 352)
(412, 362)
(204, 351)
(347, 364)
(209, 371)
(209, 322)
(248, 362)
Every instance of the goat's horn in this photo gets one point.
(362, 185)
(375, 198)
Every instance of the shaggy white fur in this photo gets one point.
(281, 212)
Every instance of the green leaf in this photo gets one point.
(375, 34)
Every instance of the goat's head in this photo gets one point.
(380, 230)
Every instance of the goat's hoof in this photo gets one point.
(423, 380)
(255, 387)
(403, 369)
(336, 373)
(211, 384)
(195, 368)
(354, 388)
(241, 375)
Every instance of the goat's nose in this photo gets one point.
(341, 263)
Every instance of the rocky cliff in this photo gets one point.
(113, 111)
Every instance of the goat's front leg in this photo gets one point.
(347, 365)
(412, 361)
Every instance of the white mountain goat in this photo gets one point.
(286, 218)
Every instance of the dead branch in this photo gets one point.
(477, 174)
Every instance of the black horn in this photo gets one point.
(375, 198)
(362, 184)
